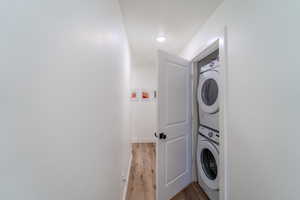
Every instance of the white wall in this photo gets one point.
(63, 76)
(263, 95)
(143, 123)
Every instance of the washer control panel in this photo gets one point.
(209, 133)
(212, 65)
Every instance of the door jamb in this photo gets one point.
(221, 44)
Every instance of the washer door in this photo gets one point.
(208, 92)
(208, 162)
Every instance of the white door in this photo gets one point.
(174, 126)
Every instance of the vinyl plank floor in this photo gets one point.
(192, 192)
(141, 183)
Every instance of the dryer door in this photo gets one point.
(208, 92)
(208, 162)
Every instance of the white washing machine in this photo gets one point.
(208, 95)
(208, 162)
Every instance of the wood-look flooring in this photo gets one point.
(141, 183)
(192, 192)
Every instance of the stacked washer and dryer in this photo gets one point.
(208, 135)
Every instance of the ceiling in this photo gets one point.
(177, 20)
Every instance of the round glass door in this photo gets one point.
(209, 164)
(209, 92)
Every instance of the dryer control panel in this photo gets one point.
(213, 65)
(209, 133)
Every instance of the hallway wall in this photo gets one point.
(263, 95)
(143, 123)
(64, 100)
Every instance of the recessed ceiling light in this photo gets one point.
(161, 39)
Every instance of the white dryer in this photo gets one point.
(208, 162)
(208, 95)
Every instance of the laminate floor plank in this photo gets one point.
(141, 183)
(192, 192)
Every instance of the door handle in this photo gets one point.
(161, 136)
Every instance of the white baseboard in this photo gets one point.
(135, 140)
(127, 179)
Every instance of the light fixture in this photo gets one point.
(161, 39)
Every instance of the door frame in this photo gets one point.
(218, 43)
